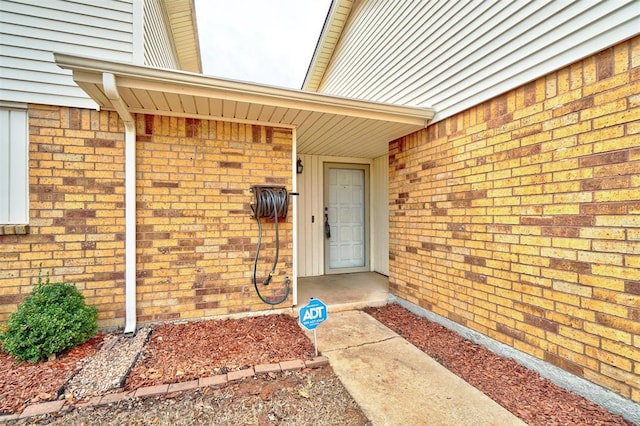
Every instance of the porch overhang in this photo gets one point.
(325, 125)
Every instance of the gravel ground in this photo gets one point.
(291, 398)
(107, 370)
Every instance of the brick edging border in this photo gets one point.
(221, 379)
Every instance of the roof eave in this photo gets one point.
(325, 124)
(187, 83)
(331, 32)
(184, 31)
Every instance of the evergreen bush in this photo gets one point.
(53, 318)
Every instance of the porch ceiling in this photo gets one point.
(325, 125)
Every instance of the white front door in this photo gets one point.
(346, 218)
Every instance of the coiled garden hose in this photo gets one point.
(271, 203)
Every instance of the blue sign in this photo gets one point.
(312, 314)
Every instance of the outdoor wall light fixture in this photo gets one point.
(299, 166)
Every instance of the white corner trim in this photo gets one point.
(138, 32)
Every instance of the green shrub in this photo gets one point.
(53, 318)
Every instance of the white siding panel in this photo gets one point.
(99, 15)
(14, 159)
(159, 50)
(310, 252)
(24, 75)
(67, 100)
(5, 176)
(110, 9)
(31, 30)
(453, 55)
(50, 23)
(380, 215)
(26, 43)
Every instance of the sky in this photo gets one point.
(261, 41)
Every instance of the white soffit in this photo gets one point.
(326, 125)
(331, 32)
(182, 20)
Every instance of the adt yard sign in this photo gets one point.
(312, 314)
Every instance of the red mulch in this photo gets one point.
(23, 383)
(179, 352)
(531, 397)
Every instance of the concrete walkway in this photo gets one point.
(345, 292)
(397, 384)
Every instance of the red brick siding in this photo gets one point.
(195, 238)
(520, 218)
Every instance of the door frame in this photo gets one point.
(367, 212)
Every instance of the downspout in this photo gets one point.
(111, 90)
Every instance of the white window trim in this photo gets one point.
(14, 164)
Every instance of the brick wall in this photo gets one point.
(196, 241)
(520, 218)
(76, 232)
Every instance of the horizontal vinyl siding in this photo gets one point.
(158, 45)
(30, 31)
(453, 55)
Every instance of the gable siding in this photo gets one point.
(30, 31)
(159, 50)
(454, 55)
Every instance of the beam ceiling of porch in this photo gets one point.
(326, 125)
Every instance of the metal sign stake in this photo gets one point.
(315, 341)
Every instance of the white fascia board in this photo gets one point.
(185, 83)
(325, 47)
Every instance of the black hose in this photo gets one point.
(270, 203)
